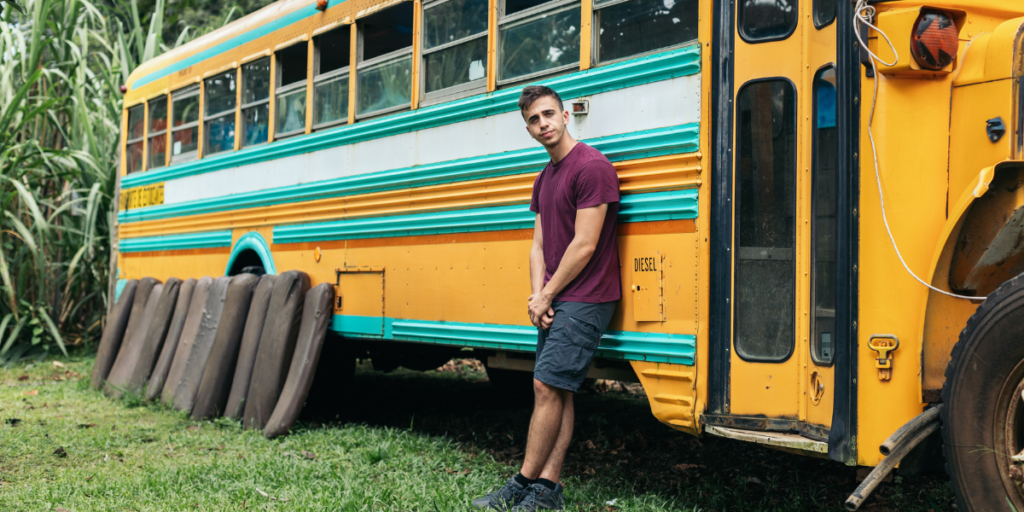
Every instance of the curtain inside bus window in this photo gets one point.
(220, 112)
(384, 79)
(824, 199)
(767, 20)
(157, 133)
(631, 27)
(765, 288)
(184, 124)
(330, 89)
(136, 132)
(455, 43)
(290, 108)
(255, 102)
(543, 42)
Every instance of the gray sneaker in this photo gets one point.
(503, 499)
(538, 497)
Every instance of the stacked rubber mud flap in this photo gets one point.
(244, 347)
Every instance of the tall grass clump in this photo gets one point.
(62, 63)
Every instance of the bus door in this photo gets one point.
(784, 217)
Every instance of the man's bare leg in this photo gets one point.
(553, 468)
(545, 428)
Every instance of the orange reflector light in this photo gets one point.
(934, 42)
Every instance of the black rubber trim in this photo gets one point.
(842, 444)
(719, 308)
(781, 37)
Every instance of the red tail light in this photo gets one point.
(934, 41)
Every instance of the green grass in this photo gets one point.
(400, 442)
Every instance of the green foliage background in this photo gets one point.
(62, 63)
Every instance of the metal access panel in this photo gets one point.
(647, 289)
(359, 301)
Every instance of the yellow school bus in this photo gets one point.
(821, 223)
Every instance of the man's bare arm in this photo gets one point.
(589, 222)
(537, 267)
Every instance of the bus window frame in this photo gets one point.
(286, 90)
(165, 132)
(595, 37)
(183, 93)
(737, 196)
(506, 22)
(814, 16)
(454, 92)
(758, 40)
(330, 76)
(143, 138)
(812, 327)
(378, 62)
(240, 129)
(208, 118)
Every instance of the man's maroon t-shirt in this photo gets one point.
(583, 179)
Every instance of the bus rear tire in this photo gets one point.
(983, 411)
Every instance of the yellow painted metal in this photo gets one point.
(492, 45)
(586, 33)
(672, 391)
(898, 24)
(658, 173)
(417, 45)
(646, 288)
(359, 291)
(310, 103)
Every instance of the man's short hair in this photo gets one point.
(535, 92)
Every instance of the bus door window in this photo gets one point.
(290, 108)
(185, 124)
(765, 256)
(824, 197)
(454, 47)
(136, 137)
(330, 77)
(255, 102)
(824, 12)
(384, 79)
(626, 28)
(157, 133)
(537, 37)
(767, 20)
(219, 118)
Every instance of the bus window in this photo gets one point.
(537, 38)
(330, 71)
(291, 90)
(824, 12)
(184, 124)
(767, 20)
(220, 113)
(630, 27)
(255, 102)
(454, 47)
(824, 198)
(136, 134)
(157, 133)
(384, 80)
(765, 221)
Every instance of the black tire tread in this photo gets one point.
(991, 303)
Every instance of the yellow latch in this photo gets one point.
(885, 345)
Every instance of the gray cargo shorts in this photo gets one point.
(564, 351)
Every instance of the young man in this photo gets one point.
(574, 277)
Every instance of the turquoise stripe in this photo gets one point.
(672, 205)
(628, 146)
(633, 346)
(652, 68)
(230, 44)
(177, 242)
(255, 242)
